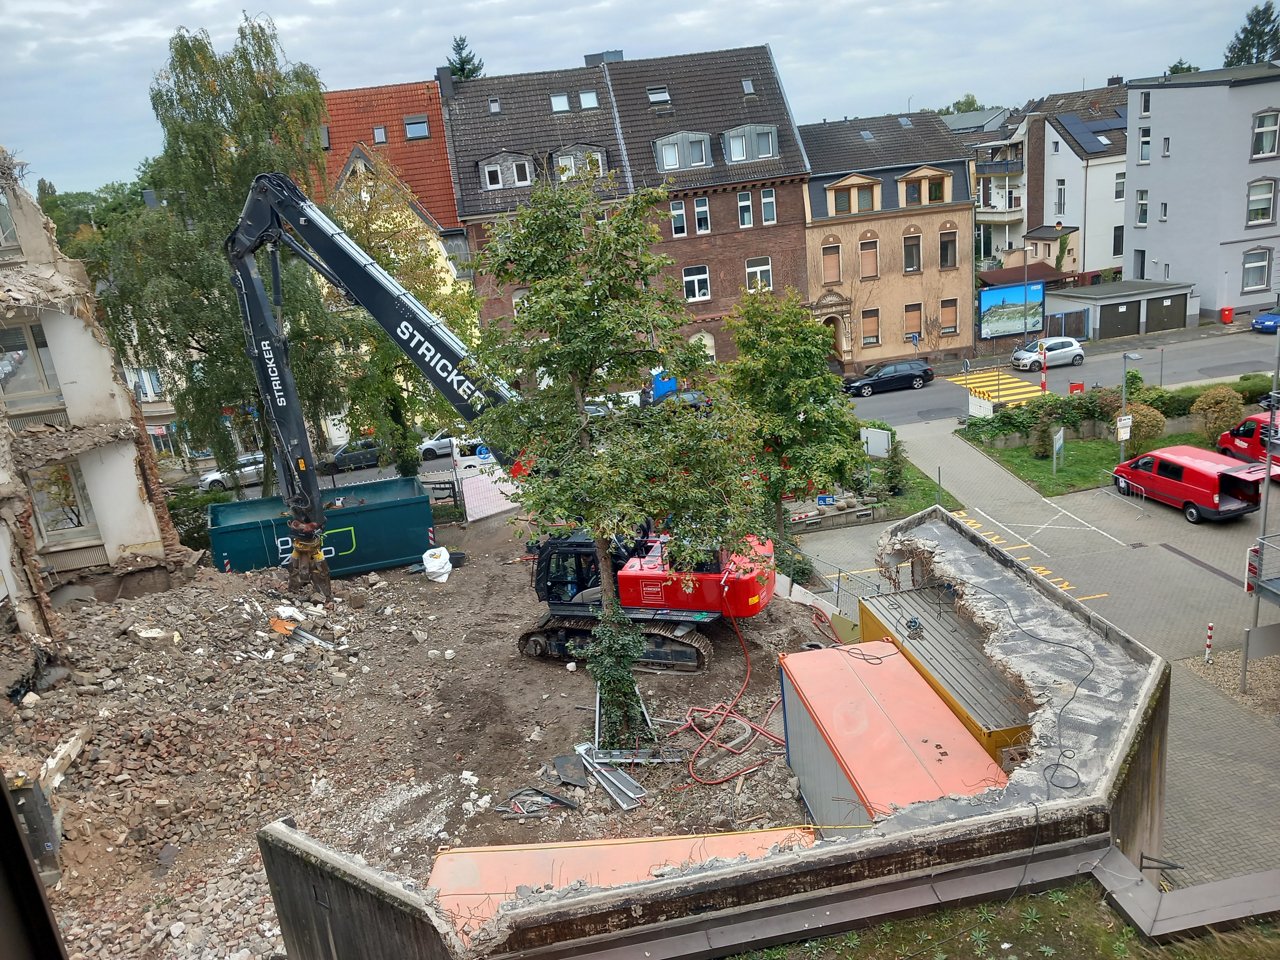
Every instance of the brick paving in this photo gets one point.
(1162, 580)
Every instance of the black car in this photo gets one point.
(896, 375)
(351, 456)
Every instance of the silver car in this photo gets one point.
(1058, 351)
(247, 470)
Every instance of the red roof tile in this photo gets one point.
(423, 164)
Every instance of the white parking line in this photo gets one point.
(994, 521)
(1085, 523)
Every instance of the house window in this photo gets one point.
(588, 100)
(1035, 249)
(658, 94)
(492, 177)
(1060, 200)
(324, 141)
(566, 167)
(678, 226)
(950, 316)
(415, 128)
(1257, 270)
(379, 134)
(495, 105)
(1144, 144)
(911, 320)
(768, 207)
(759, 274)
(1117, 241)
(1144, 103)
(947, 250)
(1265, 127)
(697, 153)
(913, 193)
(936, 190)
(1164, 211)
(697, 283)
(8, 232)
(62, 508)
(702, 215)
(866, 199)
(764, 144)
(1120, 185)
(737, 148)
(1164, 147)
(842, 201)
(26, 362)
(559, 102)
(1056, 146)
(670, 156)
(744, 208)
(869, 259)
(911, 255)
(1166, 271)
(870, 327)
(1262, 201)
(1142, 208)
(748, 86)
(521, 174)
(596, 160)
(831, 264)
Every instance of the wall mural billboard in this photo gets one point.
(1009, 310)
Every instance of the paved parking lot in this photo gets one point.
(1159, 578)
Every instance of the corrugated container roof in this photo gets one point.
(894, 737)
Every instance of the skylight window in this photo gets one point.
(559, 102)
(495, 105)
(658, 95)
(866, 135)
(1102, 138)
(748, 86)
(906, 122)
(588, 99)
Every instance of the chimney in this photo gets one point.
(444, 77)
(607, 56)
(1115, 81)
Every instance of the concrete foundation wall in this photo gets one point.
(1137, 798)
(331, 907)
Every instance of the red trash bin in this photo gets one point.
(1227, 314)
(1073, 387)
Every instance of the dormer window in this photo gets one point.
(521, 175)
(924, 185)
(680, 151)
(493, 177)
(750, 142)
(658, 95)
(559, 102)
(566, 166)
(853, 194)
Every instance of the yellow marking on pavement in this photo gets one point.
(1096, 596)
(1062, 583)
(998, 386)
(1018, 546)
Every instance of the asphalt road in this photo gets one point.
(1204, 358)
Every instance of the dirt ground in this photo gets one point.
(402, 733)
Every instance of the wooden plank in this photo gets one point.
(53, 769)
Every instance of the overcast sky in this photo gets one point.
(75, 74)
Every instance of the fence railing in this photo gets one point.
(840, 587)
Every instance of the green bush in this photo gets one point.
(894, 468)
(189, 510)
(1218, 409)
(1253, 387)
(790, 562)
(1042, 435)
(1148, 425)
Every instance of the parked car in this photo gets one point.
(1247, 440)
(1203, 484)
(689, 398)
(355, 455)
(247, 470)
(1266, 323)
(438, 444)
(897, 375)
(1058, 351)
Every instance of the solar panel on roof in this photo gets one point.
(1082, 134)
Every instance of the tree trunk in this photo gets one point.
(608, 582)
(779, 521)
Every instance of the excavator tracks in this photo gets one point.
(669, 645)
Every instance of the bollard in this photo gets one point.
(226, 565)
(1208, 645)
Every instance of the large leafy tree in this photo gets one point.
(597, 318)
(808, 433)
(169, 300)
(464, 64)
(1257, 40)
(387, 392)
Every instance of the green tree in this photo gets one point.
(1181, 67)
(597, 317)
(464, 65)
(169, 301)
(387, 390)
(808, 433)
(1258, 40)
(966, 104)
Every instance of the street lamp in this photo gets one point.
(1124, 388)
(1026, 253)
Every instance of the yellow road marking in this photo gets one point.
(1096, 596)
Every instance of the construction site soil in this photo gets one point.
(401, 732)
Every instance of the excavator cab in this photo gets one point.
(567, 571)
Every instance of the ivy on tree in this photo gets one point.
(598, 314)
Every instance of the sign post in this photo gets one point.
(1059, 441)
(1123, 426)
(1044, 370)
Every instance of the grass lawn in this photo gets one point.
(1084, 464)
(918, 492)
(1071, 924)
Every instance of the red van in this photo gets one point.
(1247, 440)
(1204, 484)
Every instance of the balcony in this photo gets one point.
(998, 168)
(986, 213)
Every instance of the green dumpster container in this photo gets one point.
(383, 523)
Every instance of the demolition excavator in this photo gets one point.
(669, 608)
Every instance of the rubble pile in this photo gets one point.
(397, 719)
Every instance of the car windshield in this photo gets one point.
(874, 369)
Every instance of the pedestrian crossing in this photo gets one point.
(997, 386)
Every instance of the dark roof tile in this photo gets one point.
(843, 146)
